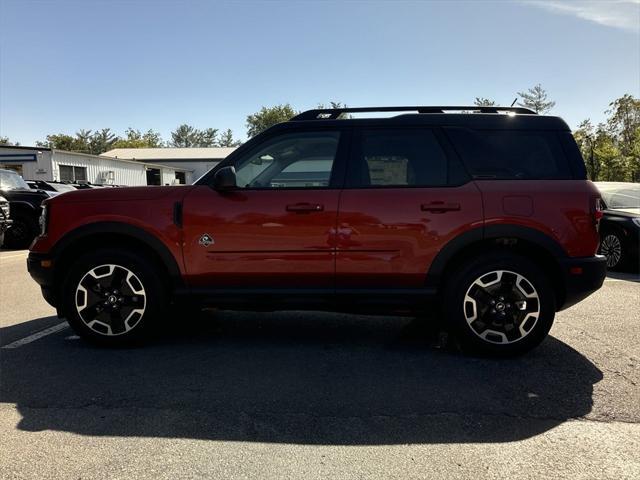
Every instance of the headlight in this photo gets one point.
(43, 220)
(636, 220)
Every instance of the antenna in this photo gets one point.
(514, 101)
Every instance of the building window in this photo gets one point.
(181, 178)
(73, 174)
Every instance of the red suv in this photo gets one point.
(484, 215)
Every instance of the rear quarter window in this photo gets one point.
(511, 154)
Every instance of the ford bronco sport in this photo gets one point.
(482, 214)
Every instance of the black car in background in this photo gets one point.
(25, 209)
(620, 225)
(5, 220)
(52, 188)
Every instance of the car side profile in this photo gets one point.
(620, 225)
(484, 216)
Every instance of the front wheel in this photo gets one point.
(21, 232)
(500, 304)
(112, 297)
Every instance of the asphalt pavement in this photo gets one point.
(316, 395)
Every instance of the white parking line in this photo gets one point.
(37, 336)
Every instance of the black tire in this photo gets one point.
(91, 285)
(612, 246)
(21, 232)
(511, 326)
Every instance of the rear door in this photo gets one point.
(406, 196)
(277, 229)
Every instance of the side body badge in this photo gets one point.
(206, 240)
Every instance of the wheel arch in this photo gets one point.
(114, 234)
(525, 241)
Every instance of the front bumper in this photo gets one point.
(581, 277)
(43, 275)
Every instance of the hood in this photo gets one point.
(23, 194)
(625, 212)
(115, 194)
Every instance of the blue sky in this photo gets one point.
(67, 64)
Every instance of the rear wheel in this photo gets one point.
(612, 247)
(500, 304)
(112, 297)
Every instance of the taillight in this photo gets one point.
(596, 210)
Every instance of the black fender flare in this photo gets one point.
(22, 204)
(488, 232)
(127, 230)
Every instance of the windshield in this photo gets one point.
(622, 197)
(61, 187)
(12, 181)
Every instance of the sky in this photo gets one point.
(155, 64)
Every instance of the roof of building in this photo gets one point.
(89, 156)
(170, 153)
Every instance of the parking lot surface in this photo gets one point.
(314, 395)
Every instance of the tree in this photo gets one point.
(184, 136)
(207, 138)
(267, 117)
(611, 151)
(624, 127)
(137, 139)
(60, 141)
(102, 141)
(226, 139)
(7, 142)
(484, 102)
(187, 136)
(536, 99)
(586, 140)
(82, 141)
(152, 139)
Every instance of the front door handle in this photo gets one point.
(440, 207)
(305, 207)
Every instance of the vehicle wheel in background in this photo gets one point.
(612, 247)
(21, 232)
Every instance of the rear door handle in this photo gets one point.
(305, 207)
(440, 207)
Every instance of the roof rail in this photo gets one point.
(334, 113)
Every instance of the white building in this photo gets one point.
(35, 163)
(195, 161)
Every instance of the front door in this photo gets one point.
(277, 229)
(406, 196)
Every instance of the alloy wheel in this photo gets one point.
(612, 249)
(110, 299)
(501, 307)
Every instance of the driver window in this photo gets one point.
(292, 160)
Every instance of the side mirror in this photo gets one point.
(225, 179)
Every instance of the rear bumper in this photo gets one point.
(582, 276)
(43, 275)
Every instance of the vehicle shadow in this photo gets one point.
(305, 378)
(630, 275)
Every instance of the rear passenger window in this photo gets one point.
(511, 154)
(397, 158)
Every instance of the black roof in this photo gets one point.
(516, 118)
(23, 147)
